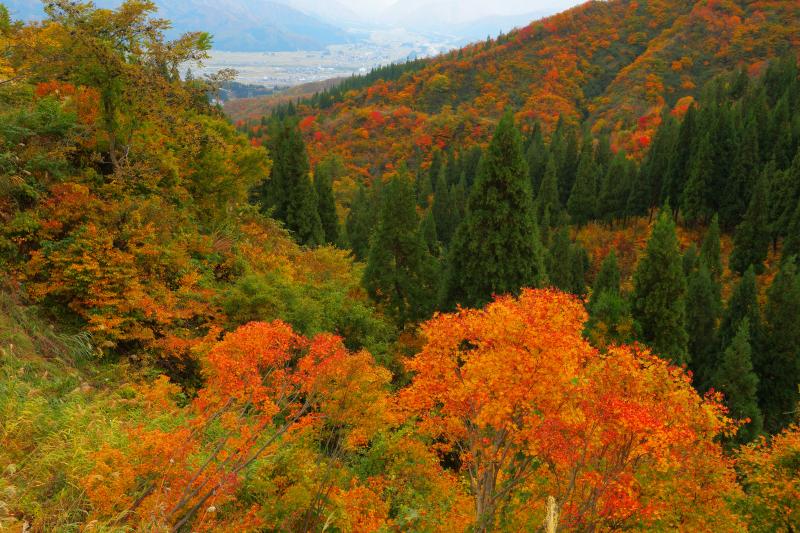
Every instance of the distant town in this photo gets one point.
(287, 69)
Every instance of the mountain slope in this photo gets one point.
(256, 25)
(612, 63)
(712, 37)
(237, 25)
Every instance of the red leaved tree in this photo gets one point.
(264, 382)
(530, 410)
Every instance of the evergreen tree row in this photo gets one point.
(476, 245)
(750, 354)
(306, 207)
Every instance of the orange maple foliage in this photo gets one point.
(84, 101)
(263, 382)
(532, 410)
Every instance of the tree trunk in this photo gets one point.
(484, 501)
(551, 517)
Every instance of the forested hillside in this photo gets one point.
(617, 65)
(547, 283)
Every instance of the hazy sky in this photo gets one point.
(371, 5)
(500, 7)
(508, 6)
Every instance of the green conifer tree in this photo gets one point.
(326, 204)
(401, 274)
(681, 159)
(791, 245)
(360, 223)
(537, 156)
(303, 218)
(582, 203)
(452, 169)
(496, 249)
(638, 203)
(469, 165)
(697, 193)
(424, 188)
(655, 168)
(579, 265)
(435, 168)
(443, 207)
(702, 313)
(616, 188)
(739, 186)
(603, 154)
(777, 362)
(736, 380)
(740, 84)
(743, 303)
(428, 229)
(272, 194)
(724, 139)
(548, 206)
(690, 259)
(568, 167)
(752, 238)
(559, 260)
(710, 254)
(780, 125)
(294, 199)
(459, 196)
(610, 320)
(608, 277)
(659, 299)
(784, 193)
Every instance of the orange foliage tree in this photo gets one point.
(264, 382)
(531, 410)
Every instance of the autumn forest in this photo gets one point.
(546, 282)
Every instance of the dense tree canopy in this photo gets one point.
(444, 296)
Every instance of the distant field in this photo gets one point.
(281, 69)
(298, 74)
(287, 69)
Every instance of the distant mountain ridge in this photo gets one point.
(237, 25)
(439, 14)
(305, 25)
